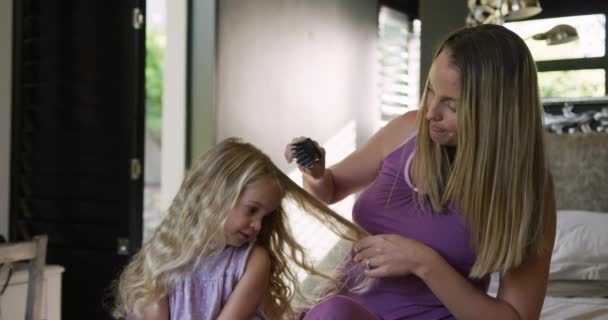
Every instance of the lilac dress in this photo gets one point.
(203, 293)
(404, 297)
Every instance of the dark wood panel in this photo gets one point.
(78, 236)
(70, 211)
(78, 114)
(66, 187)
(87, 298)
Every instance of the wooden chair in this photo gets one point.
(33, 252)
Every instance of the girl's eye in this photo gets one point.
(252, 210)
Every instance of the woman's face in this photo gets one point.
(441, 99)
(244, 221)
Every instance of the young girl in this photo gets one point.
(224, 249)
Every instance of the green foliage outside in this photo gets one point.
(155, 48)
(572, 84)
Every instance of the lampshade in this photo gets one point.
(561, 33)
(520, 9)
(482, 11)
(472, 4)
(498, 11)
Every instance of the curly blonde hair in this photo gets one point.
(192, 231)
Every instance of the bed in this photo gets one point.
(578, 280)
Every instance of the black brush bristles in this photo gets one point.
(306, 153)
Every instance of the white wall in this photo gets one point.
(6, 29)
(202, 59)
(295, 68)
(173, 155)
(290, 68)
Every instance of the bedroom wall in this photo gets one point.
(6, 29)
(296, 68)
(436, 24)
(173, 154)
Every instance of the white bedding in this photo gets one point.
(559, 308)
(575, 308)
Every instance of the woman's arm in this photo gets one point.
(158, 310)
(251, 289)
(360, 168)
(521, 291)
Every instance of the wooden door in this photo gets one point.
(77, 140)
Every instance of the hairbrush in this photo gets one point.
(306, 153)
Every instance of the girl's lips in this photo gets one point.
(244, 236)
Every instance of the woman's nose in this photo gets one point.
(431, 112)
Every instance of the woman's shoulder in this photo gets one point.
(398, 130)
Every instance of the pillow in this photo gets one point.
(578, 288)
(580, 251)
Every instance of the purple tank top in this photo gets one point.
(202, 294)
(408, 296)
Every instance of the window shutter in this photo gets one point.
(399, 45)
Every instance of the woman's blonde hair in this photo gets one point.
(499, 174)
(192, 230)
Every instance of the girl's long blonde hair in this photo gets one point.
(499, 174)
(192, 230)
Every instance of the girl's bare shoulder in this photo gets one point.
(258, 259)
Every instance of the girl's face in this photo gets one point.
(441, 99)
(244, 221)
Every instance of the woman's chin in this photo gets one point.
(442, 139)
(439, 140)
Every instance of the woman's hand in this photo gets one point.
(317, 170)
(388, 255)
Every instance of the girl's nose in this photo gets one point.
(256, 225)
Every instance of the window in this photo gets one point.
(399, 46)
(567, 69)
(591, 31)
(572, 83)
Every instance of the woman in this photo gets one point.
(453, 192)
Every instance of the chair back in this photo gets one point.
(34, 253)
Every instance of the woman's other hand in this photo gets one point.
(388, 255)
(317, 170)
